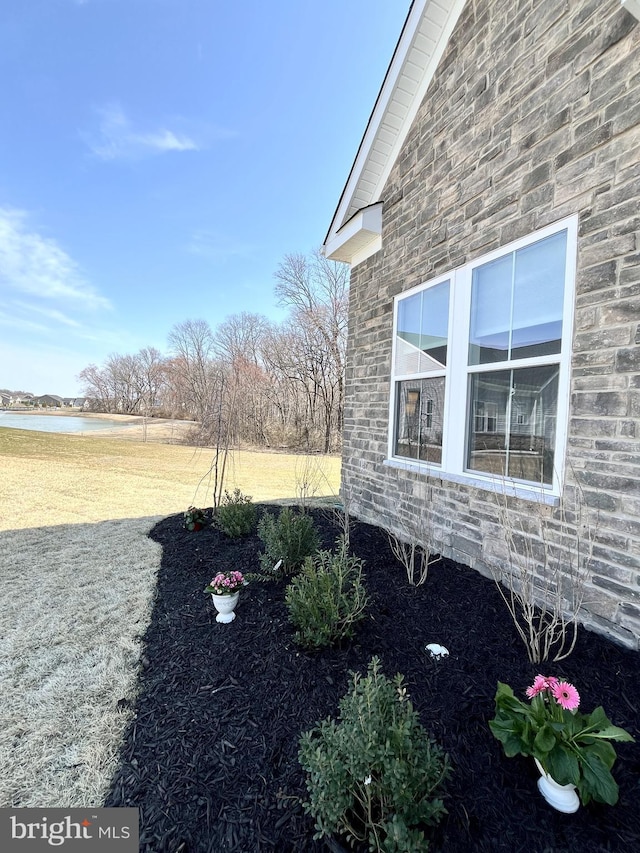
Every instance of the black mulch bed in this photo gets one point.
(211, 757)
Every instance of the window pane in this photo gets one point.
(487, 439)
(491, 311)
(526, 399)
(538, 297)
(435, 323)
(422, 331)
(408, 353)
(409, 318)
(534, 403)
(517, 303)
(418, 423)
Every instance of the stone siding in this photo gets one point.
(533, 115)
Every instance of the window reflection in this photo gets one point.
(513, 424)
(517, 303)
(422, 331)
(419, 417)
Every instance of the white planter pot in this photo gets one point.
(563, 798)
(225, 605)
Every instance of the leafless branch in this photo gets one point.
(547, 567)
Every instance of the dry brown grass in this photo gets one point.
(76, 601)
(48, 478)
(78, 577)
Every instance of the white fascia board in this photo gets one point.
(632, 6)
(358, 238)
(451, 9)
(429, 23)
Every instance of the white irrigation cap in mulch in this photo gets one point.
(437, 651)
(76, 601)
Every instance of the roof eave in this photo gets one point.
(359, 238)
(423, 40)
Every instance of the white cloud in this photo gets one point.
(53, 323)
(166, 140)
(117, 139)
(36, 265)
(21, 324)
(49, 313)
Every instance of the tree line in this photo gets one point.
(249, 380)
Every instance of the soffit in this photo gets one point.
(422, 42)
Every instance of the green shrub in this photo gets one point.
(326, 598)
(288, 540)
(373, 776)
(236, 515)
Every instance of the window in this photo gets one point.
(486, 416)
(481, 365)
(419, 419)
(421, 350)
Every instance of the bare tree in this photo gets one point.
(240, 337)
(286, 380)
(316, 291)
(110, 387)
(290, 412)
(217, 430)
(123, 370)
(209, 388)
(149, 375)
(151, 371)
(238, 342)
(193, 348)
(95, 387)
(129, 384)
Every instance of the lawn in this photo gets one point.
(78, 579)
(49, 479)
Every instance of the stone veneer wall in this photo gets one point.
(533, 115)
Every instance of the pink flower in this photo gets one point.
(224, 583)
(540, 683)
(566, 695)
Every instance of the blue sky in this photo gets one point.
(159, 158)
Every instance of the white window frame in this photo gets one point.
(428, 414)
(457, 372)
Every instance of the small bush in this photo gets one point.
(288, 540)
(327, 598)
(236, 515)
(373, 775)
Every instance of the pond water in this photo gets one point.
(58, 423)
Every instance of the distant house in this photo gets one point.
(48, 401)
(5, 400)
(22, 400)
(74, 402)
(492, 222)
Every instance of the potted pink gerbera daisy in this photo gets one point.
(571, 749)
